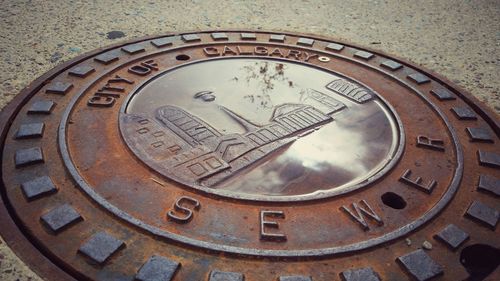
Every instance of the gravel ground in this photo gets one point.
(458, 39)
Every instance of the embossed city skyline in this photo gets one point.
(192, 148)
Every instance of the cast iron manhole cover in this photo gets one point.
(249, 156)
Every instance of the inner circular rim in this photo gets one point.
(387, 164)
(447, 196)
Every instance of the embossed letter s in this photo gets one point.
(182, 214)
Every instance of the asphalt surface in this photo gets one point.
(457, 39)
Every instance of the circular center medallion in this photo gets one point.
(260, 128)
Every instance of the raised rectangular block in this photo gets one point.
(361, 274)
(248, 36)
(443, 94)
(483, 214)
(364, 55)
(452, 236)
(107, 58)
(28, 156)
(419, 78)
(489, 184)
(480, 134)
(133, 49)
(334, 47)
(190, 37)
(305, 42)
(419, 265)
(41, 107)
(61, 218)
(277, 38)
(216, 275)
(295, 278)
(162, 42)
(392, 65)
(58, 87)
(489, 159)
(81, 71)
(219, 36)
(464, 113)
(38, 187)
(157, 268)
(100, 247)
(30, 131)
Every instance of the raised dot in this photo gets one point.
(480, 134)
(392, 65)
(216, 275)
(61, 218)
(277, 38)
(324, 59)
(30, 131)
(38, 187)
(489, 184)
(28, 156)
(58, 87)
(41, 107)
(489, 159)
(452, 236)
(295, 278)
(100, 247)
(464, 113)
(248, 36)
(133, 49)
(419, 78)
(334, 47)
(419, 265)
(364, 55)
(190, 37)
(162, 42)
(219, 36)
(107, 58)
(305, 42)
(81, 71)
(483, 214)
(360, 274)
(443, 94)
(157, 268)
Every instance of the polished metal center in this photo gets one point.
(260, 127)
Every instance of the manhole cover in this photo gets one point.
(249, 156)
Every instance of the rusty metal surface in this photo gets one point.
(241, 155)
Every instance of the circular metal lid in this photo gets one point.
(249, 156)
